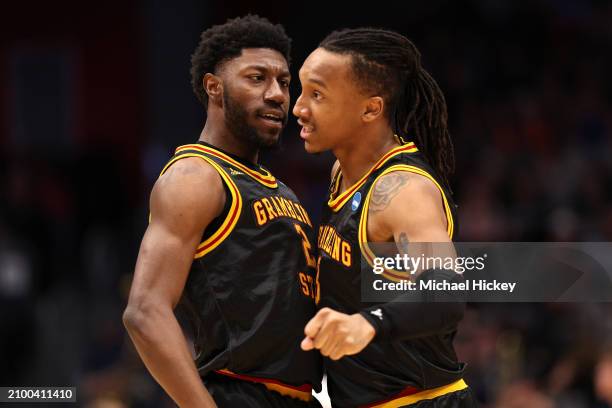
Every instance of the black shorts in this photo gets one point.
(458, 399)
(235, 393)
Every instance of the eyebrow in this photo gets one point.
(283, 72)
(318, 82)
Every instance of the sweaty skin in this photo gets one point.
(183, 203)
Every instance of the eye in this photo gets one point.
(257, 77)
(284, 83)
(317, 95)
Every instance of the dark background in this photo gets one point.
(94, 96)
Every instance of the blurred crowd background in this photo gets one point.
(95, 96)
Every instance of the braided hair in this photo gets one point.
(386, 63)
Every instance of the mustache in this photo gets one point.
(277, 108)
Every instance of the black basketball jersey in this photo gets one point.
(382, 369)
(250, 285)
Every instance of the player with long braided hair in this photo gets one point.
(367, 98)
(389, 64)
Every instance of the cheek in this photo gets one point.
(249, 99)
(327, 116)
(342, 118)
(334, 126)
(335, 112)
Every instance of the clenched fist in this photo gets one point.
(337, 334)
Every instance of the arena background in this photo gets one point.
(94, 96)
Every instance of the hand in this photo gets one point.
(337, 334)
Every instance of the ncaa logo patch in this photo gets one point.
(356, 201)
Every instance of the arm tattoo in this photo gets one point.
(386, 188)
(402, 245)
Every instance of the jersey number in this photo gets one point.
(310, 287)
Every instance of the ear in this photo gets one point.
(213, 86)
(373, 109)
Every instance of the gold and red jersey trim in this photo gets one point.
(336, 203)
(303, 392)
(412, 395)
(363, 221)
(264, 177)
(233, 214)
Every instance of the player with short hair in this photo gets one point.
(367, 98)
(230, 239)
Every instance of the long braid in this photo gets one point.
(388, 64)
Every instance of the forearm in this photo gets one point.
(418, 313)
(163, 348)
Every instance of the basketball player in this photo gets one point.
(231, 239)
(366, 97)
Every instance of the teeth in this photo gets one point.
(270, 116)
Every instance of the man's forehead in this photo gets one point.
(325, 64)
(261, 57)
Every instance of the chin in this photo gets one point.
(310, 148)
(268, 141)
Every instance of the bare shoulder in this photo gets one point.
(190, 189)
(190, 169)
(404, 186)
(409, 203)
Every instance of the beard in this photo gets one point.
(236, 120)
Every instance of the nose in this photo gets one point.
(299, 109)
(275, 93)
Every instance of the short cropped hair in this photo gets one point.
(223, 42)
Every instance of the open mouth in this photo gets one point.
(306, 131)
(275, 119)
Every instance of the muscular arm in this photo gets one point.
(407, 209)
(183, 202)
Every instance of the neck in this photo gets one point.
(216, 133)
(357, 158)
